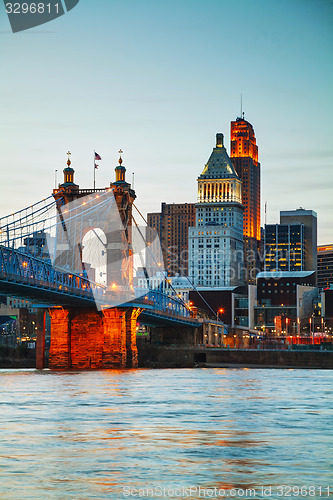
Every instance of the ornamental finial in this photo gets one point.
(120, 158)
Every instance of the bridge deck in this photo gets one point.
(27, 277)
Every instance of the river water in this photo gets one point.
(188, 433)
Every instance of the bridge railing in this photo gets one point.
(166, 304)
(22, 268)
(25, 268)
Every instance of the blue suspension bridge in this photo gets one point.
(75, 254)
(33, 267)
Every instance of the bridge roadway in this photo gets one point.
(27, 277)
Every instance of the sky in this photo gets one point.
(158, 79)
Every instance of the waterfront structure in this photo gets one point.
(215, 303)
(244, 156)
(109, 338)
(286, 291)
(324, 266)
(20, 320)
(216, 241)
(171, 225)
(243, 307)
(93, 325)
(284, 300)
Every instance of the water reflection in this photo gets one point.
(87, 435)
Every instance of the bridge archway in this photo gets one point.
(94, 256)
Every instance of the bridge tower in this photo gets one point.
(119, 244)
(84, 338)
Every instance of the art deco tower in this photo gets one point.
(216, 241)
(244, 156)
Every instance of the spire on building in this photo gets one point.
(120, 158)
(68, 173)
(219, 165)
(120, 170)
(219, 181)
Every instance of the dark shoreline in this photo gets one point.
(17, 357)
(152, 356)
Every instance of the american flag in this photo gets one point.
(97, 157)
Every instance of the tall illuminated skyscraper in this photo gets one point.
(215, 243)
(244, 156)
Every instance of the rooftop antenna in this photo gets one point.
(241, 106)
(265, 213)
(132, 180)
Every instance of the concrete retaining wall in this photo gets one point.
(17, 357)
(186, 357)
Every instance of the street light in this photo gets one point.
(311, 320)
(220, 311)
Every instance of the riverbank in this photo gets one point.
(17, 357)
(152, 356)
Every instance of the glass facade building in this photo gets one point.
(325, 266)
(284, 247)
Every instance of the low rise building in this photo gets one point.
(285, 301)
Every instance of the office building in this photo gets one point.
(171, 225)
(324, 266)
(309, 219)
(327, 309)
(285, 247)
(216, 241)
(292, 244)
(244, 156)
(284, 301)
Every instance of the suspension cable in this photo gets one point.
(187, 277)
(152, 255)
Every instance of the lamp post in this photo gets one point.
(221, 329)
(310, 327)
(311, 320)
(220, 311)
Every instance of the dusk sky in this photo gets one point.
(159, 79)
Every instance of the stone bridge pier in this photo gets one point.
(89, 339)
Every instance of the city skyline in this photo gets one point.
(159, 81)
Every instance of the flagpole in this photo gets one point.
(94, 170)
